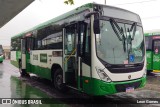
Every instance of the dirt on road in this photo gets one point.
(153, 83)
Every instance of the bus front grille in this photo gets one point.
(122, 87)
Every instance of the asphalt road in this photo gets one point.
(14, 86)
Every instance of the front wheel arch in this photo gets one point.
(58, 80)
(53, 69)
(57, 72)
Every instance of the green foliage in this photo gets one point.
(71, 2)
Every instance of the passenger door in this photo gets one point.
(156, 54)
(26, 47)
(23, 54)
(76, 57)
(70, 55)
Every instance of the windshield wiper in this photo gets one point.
(114, 26)
(113, 22)
(131, 38)
(133, 27)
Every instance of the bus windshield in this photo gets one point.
(120, 43)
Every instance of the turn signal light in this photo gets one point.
(86, 81)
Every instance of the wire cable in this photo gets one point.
(152, 17)
(137, 2)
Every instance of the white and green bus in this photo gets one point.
(1, 54)
(96, 49)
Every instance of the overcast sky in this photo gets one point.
(42, 10)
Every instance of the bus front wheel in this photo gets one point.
(58, 80)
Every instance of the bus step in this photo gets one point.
(72, 87)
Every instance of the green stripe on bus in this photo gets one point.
(41, 71)
(98, 87)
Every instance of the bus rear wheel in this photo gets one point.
(58, 80)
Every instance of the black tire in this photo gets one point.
(149, 73)
(58, 80)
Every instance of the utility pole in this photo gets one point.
(104, 1)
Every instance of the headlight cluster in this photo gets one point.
(103, 76)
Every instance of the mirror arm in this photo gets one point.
(87, 15)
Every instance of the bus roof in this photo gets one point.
(65, 15)
(152, 34)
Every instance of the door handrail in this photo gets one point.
(70, 55)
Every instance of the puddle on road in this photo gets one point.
(5, 91)
(12, 87)
(20, 89)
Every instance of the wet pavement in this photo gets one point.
(13, 86)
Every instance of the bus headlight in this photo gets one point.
(103, 76)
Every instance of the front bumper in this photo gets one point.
(104, 88)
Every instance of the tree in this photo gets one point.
(71, 2)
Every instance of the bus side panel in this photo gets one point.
(39, 64)
(42, 61)
(14, 58)
(18, 55)
(28, 65)
(86, 78)
(156, 61)
(149, 55)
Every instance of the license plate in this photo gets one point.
(129, 89)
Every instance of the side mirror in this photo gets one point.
(96, 26)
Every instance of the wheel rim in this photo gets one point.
(59, 81)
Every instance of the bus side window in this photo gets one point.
(30, 44)
(23, 48)
(148, 42)
(70, 40)
(69, 43)
(87, 45)
(39, 44)
(87, 48)
(81, 39)
(156, 46)
(16, 44)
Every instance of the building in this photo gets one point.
(6, 52)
